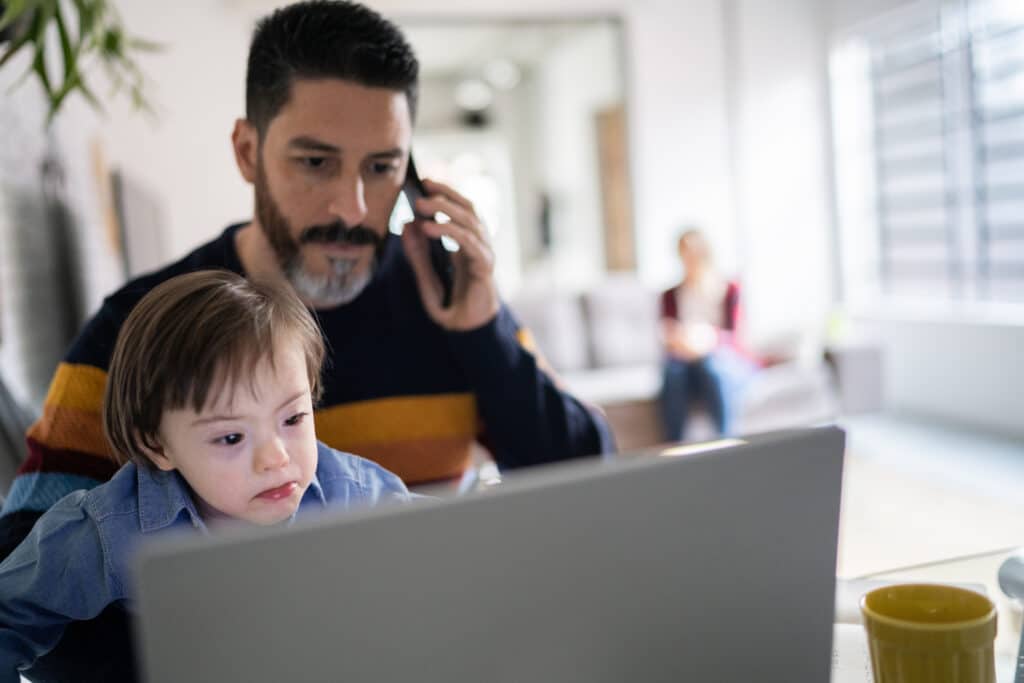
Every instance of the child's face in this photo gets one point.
(251, 452)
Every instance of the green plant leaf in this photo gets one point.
(101, 39)
(86, 18)
(22, 40)
(75, 82)
(113, 42)
(40, 24)
(90, 96)
(29, 35)
(70, 57)
(11, 13)
(144, 45)
(39, 67)
(15, 10)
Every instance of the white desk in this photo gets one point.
(975, 569)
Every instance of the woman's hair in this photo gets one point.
(191, 338)
(694, 240)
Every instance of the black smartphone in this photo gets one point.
(440, 259)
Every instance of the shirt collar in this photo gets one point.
(315, 490)
(163, 496)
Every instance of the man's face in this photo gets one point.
(330, 168)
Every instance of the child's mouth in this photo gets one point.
(280, 492)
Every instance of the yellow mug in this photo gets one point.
(922, 633)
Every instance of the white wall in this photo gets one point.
(680, 132)
(782, 164)
(198, 87)
(963, 371)
(846, 14)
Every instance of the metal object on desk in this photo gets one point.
(1011, 576)
(1011, 581)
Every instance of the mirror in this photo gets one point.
(528, 119)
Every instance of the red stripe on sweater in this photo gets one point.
(43, 459)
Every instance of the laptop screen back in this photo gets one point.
(708, 566)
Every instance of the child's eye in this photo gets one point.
(295, 419)
(229, 439)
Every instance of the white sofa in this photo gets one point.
(603, 344)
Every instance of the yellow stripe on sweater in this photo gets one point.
(406, 418)
(419, 461)
(77, 386)
(71, 418)
(419, 438)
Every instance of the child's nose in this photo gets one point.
(271, 456)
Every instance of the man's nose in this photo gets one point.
(349, 200)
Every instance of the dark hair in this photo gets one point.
(324, 39)
(192, 336)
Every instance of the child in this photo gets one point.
(209, 405)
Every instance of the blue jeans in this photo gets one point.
(704, 380)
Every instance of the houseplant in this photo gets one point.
(88, 33)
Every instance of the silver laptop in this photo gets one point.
(714, 565)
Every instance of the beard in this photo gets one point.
(341, 283)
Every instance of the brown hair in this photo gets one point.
(190, 337)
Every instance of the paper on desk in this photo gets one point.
(851, 661)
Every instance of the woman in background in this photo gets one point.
(699, 324)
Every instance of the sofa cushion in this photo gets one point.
(555, 320)
(622, 319)
(621, 384)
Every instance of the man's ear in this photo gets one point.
(245, 140)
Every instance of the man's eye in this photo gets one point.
(295, 419)
(230, 439)
(314, 163)
(381, 168)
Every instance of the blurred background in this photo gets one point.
(857, 166)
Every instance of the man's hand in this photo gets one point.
(474, 293)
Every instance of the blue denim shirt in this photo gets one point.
(75, 562)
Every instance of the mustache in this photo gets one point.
(339, 233)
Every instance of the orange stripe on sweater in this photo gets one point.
(407, 418)
(420, 461)
(419, 438)
(71, 429)
(71, 418)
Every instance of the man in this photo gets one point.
(330, 100)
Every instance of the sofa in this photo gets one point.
(603, 345)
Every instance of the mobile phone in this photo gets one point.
(440, 259)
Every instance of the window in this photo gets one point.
(929, 128)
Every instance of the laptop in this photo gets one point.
(712, 563)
